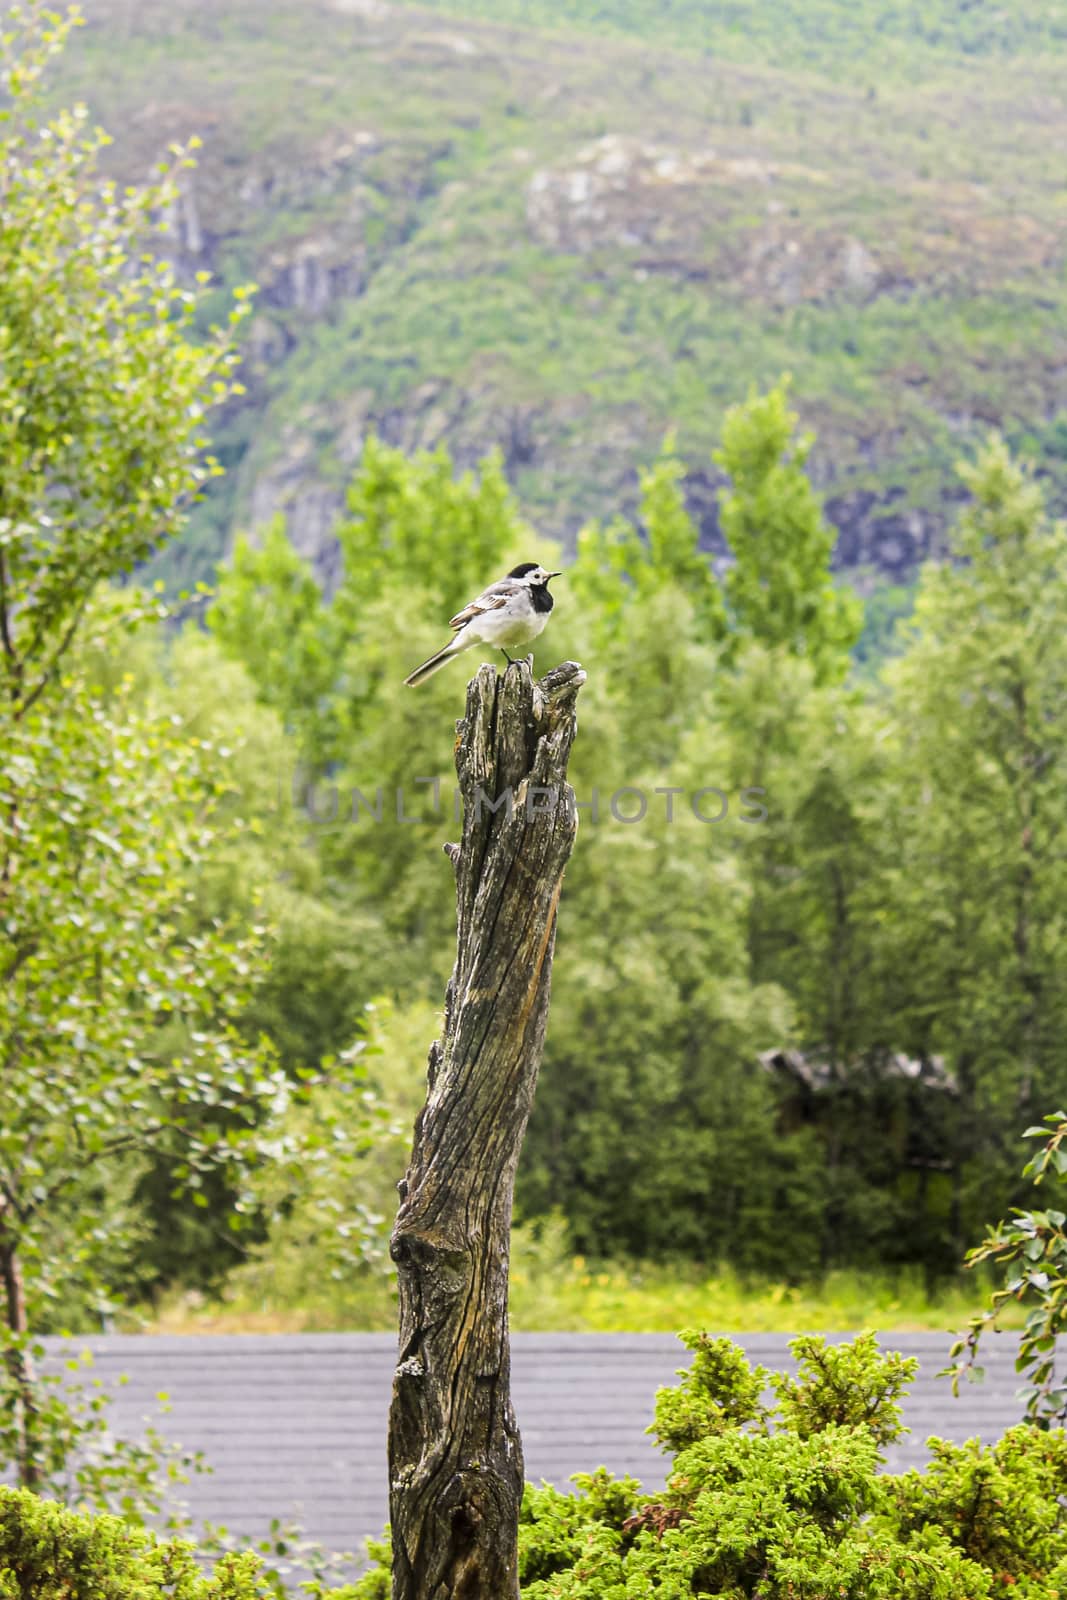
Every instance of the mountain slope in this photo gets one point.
(566, 235)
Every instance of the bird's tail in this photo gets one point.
(428, 668)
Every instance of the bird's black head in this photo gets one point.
(533, 573)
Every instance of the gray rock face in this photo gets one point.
(371, 9)
(672, 210)
(622, 192)
(873, 534)
(314, 273)
(292, 487)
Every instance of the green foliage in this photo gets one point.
(802, 1511)
(830, 37)
(120, 1022)
(317, 661)
(311, 999)
(1030, 1250)
(799, 1510)
(828, 911)
(333, 1209)
(620, 570)
(554, 1528)
(846, 1386)
(979, 712)
(888, 605)
(1000, 1505)
(719, 1390)
(392, 531)
(118, 1033)
(779, 587)
(102, 391)
(126, 1048)
(269, 611)
(778, 591)
(48, 1552)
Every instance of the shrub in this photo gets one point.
(49, 1552)
(786, 1501)
(782, 1502)
(1003, 1507)
(748, 1511)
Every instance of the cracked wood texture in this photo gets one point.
(455, 1457)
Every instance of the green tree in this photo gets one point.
(371, 755)
(117, 1035)
(256, 870)
(642, 601)
(270, 615)
(410, 528)
(621, 567)
(779, 589)
(819, 873)
(740, 689)
(102, 391)
(657, 1022)
(976, 823)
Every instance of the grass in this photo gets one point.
(571, 1295)
(654, 1300)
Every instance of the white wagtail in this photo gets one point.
(511, 612)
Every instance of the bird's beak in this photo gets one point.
(554, 575)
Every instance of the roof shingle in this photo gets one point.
(295, 1425)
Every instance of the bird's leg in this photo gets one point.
(507, 658)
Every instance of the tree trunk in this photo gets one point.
(18, 1358)
(455, 1457)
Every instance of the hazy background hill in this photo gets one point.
(561, 228)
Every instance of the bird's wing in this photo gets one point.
(491, 599)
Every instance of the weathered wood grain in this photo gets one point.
(455, 1457)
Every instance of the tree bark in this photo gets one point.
(18, 1358)
(455, 1457)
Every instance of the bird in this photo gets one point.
(511, 612)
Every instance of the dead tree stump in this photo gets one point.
(455, 1457)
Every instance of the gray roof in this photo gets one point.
(295, 1425)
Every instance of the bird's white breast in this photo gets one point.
(507, 626)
